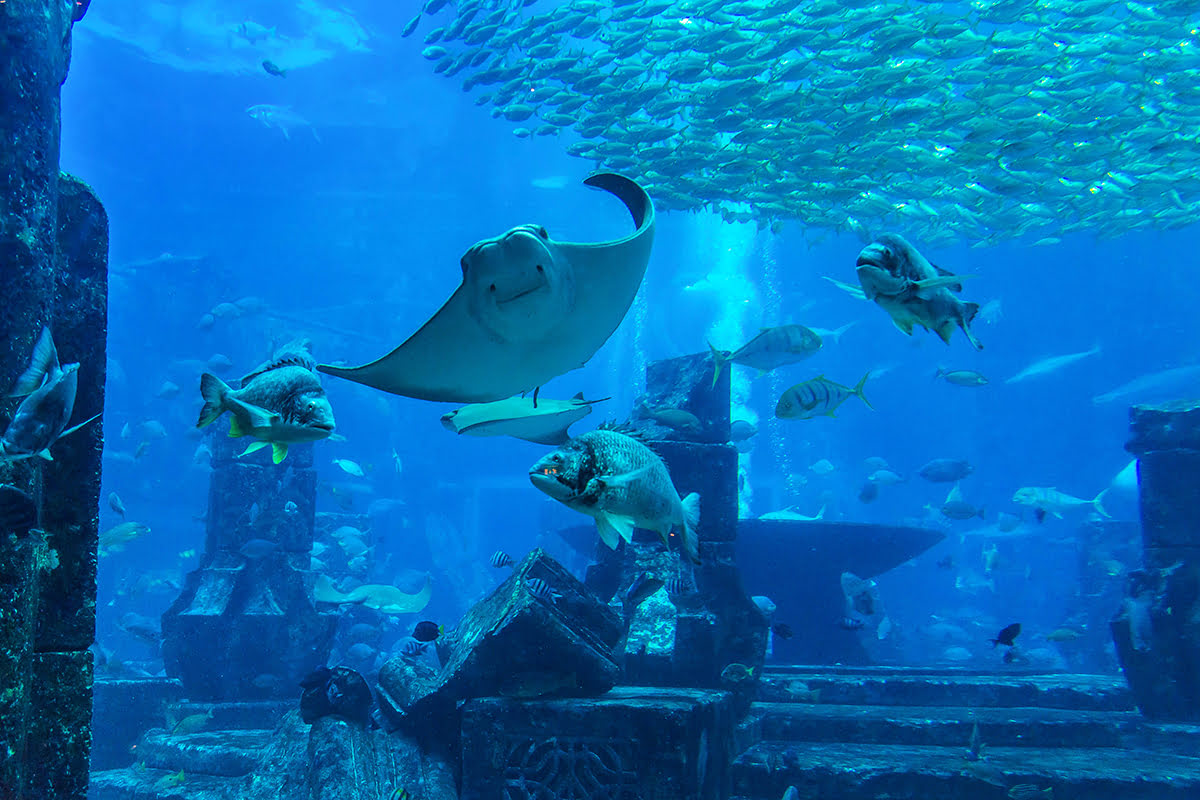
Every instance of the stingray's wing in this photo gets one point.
(453, 358)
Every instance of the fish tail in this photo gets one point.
(1098, 504)
(691, 524)
(213, 390)
(719, 360)
(858, 390)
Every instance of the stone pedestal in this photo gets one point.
(53, 271)
(691, 639)
(1157, 630)
(247, 628)
(670, 744)
(124, 710)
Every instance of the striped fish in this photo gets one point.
(414, 649)
(541, 590)
(501, 559)
(818, 397)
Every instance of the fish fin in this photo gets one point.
(235, 428)
(77, 427)
(691, 524)
(43, 362)
(213, 390)
(982, 513)
(926, 287)
(968, 316)
(1057, 514)
(820, 514)
(946, 330)
(579, 396)
(625, 479)
(623, 526)
(278, 452)
(719, 358)
(858, 390)
(45, 455)
(1098, 504)
(553, 438)
(608, 534)
(254, 447)
(259, 417)
(905, 325)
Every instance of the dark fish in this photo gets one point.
(501, 559)
(1007, 635)
(255, 549)
(852, 623)
(869, 492)
(271, 68)
(49, 392)
(400, 793)
(427, 631)
(946, 470)
(318, 677)
(18, 511)
(782, 630)
(541, 590)
(413, 649)
(676, 587)
(642, 587)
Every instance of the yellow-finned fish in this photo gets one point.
(818, 397)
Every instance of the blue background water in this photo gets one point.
(361, 232)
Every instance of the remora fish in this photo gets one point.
(49, 391)
(622, 484)
(280, 403)
(771, 348)
(544, 421)
(913, 291)
(1052, 364)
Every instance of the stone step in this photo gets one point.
(944, 726)
(228, 753)
(899, 772)
(156, 784)
(892, 686)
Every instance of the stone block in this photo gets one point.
(60, 732)
(515, 641)
(668, 744)
(1168, 426)
(123, 711)
(685, 383)
(1170, 497)
(711, 470)
(250, 501)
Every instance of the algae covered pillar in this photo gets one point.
(53, 272)
(1157, 629)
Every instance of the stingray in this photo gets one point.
(540, 421)
(381, 597)
(529, 308)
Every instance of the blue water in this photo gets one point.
(354, 240)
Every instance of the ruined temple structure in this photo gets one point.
(53, 272)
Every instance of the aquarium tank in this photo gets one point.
(599, 400)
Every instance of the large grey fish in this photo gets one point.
(771, 348)
(49, 391)
(913, 291)
(280, 403)
(622, 484)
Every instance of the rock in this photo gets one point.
(632, 742)
(124, 710)
(512, 640)
(685, 383)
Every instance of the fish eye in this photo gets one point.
(492, 288)
(542, 232)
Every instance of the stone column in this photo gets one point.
(245, 627)
(1157, 629)
(689, 640)
(53, 271)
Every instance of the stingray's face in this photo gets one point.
(515, 285)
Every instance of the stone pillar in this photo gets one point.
(1157, 629)
(53, 271)
(691, 639)
(246, 628)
